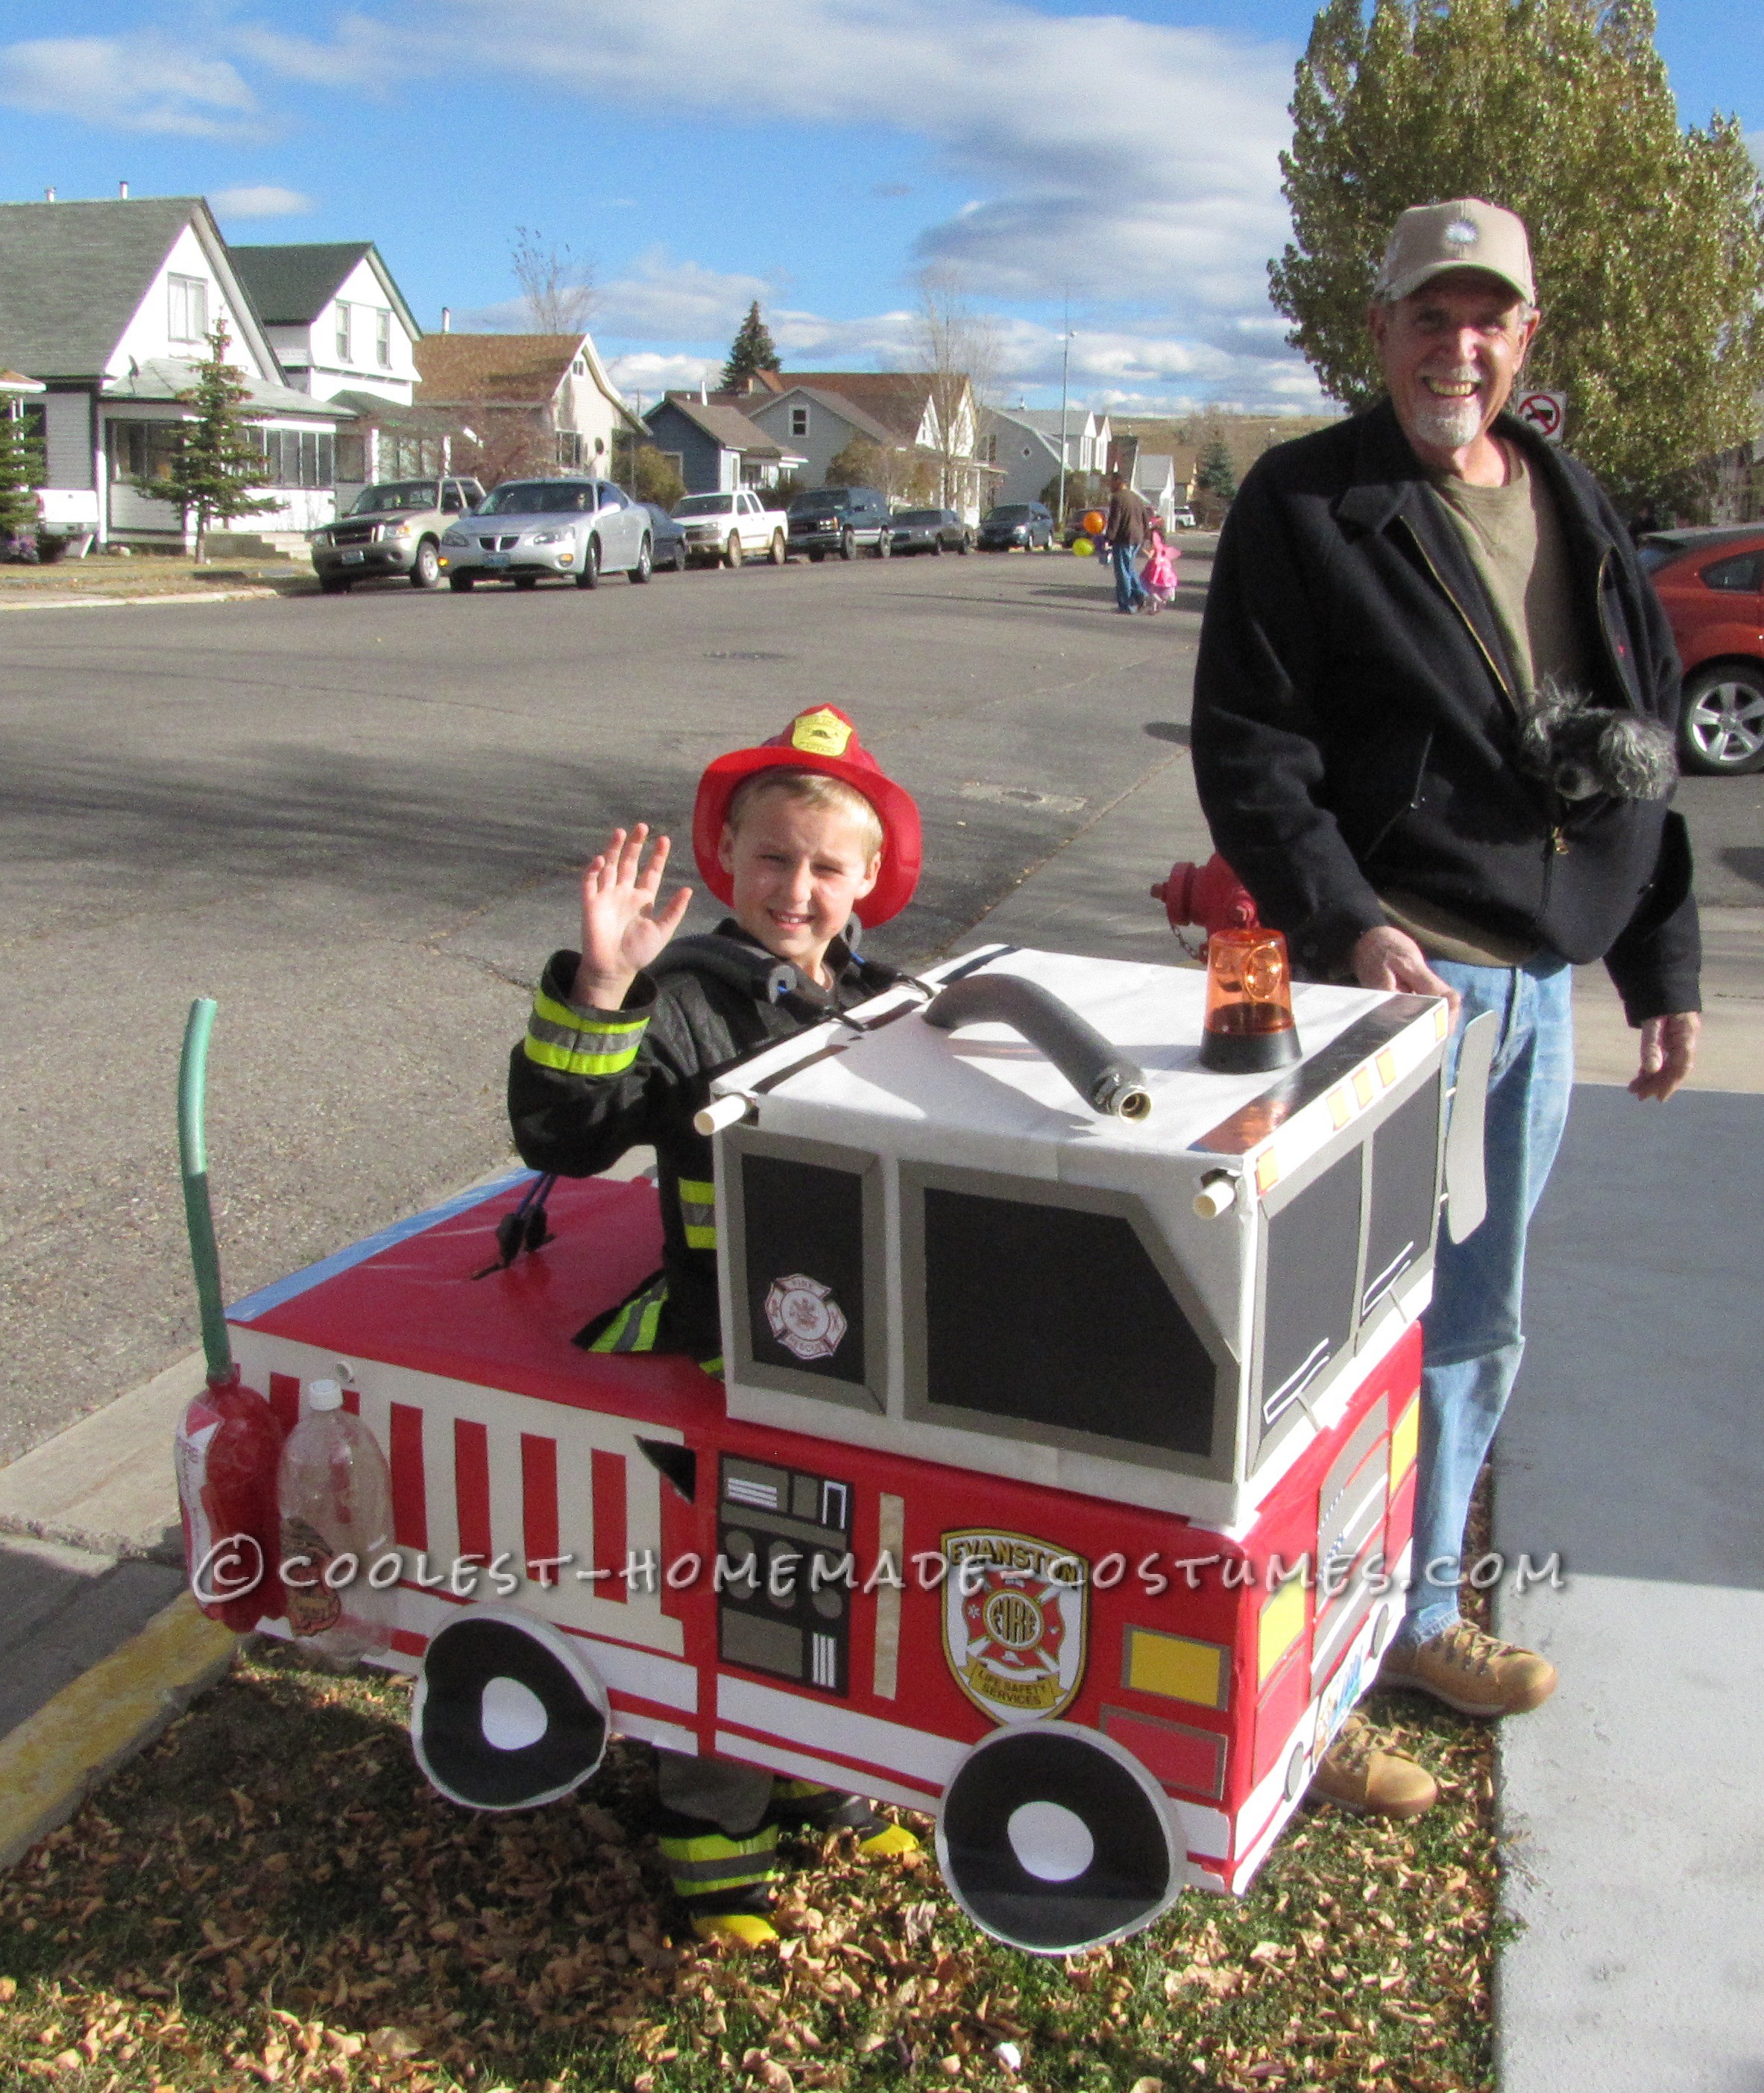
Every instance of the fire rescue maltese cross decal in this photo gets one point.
(1014, 1623)
(805, 1319)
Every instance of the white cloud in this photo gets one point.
(653, 372)
(260, 199)
(135, 83)
(659, 297)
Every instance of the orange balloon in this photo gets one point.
(1094, 520)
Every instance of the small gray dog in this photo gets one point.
(1583, 749)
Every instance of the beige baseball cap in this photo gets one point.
(1465, 233)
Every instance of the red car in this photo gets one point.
(1711, 585)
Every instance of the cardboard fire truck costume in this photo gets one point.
(1058, 1453)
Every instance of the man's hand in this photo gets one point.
(1387, 957)
(621, 931)
(1668, 1049)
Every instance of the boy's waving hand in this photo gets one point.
(621, 931)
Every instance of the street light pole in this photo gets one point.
(1065, 373)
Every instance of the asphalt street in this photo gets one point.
(353, 821)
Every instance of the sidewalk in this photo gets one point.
(1632, 1799)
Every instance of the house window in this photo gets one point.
(352, 458)
(799, 421)
(187, 303)
(142, 450)
(570, 448)
(383, 339)
(297, 458)
(343, 332)
(579, 368)
(677, 459)
(408, 457)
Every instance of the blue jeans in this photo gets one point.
(1471, 1334)
(1130, 591)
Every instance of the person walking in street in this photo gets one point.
(1432, 735)
(1124, 532)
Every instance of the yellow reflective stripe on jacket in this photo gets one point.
(580, 1043)
(633, 1328)
(698, 1212)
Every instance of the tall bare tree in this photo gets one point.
(556, 285)
(958, 349)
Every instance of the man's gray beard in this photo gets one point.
(1449, 425)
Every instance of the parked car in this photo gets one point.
(724, 528)
(930, 530)
(668, 538)
(576, 530)
(1182, 518)
(1029, 524)
(1711, 585)
(843, 520)
(393, 527)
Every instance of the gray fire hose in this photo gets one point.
(1104, 1077)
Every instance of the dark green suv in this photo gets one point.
(846, 520)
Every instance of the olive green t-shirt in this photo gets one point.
(1515, 539)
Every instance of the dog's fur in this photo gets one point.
(1583, 749)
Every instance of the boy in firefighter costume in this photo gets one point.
(797, 836)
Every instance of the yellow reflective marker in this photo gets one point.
(1282, 1623)
(1178, 1668)
(1405, 1443)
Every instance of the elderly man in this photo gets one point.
(1432, 736)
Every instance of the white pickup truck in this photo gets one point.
(729, 528)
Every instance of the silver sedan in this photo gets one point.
(569, 529)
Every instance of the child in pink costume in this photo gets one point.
(1158, 573)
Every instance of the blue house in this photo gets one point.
(714, 447)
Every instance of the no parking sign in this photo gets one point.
(1544, 412)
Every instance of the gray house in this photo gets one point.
(714, 448)
(109, 305)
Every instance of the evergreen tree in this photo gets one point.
(1649, 239)
(1213, 470)
(751, 352)
(21, 474)
(214, 459)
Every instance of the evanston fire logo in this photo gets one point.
(805, 1319)
(1014, 1622)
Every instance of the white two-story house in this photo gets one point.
(109, 305)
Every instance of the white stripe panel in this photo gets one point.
(844, 1778)
(1207, 1832)
(653, 1731)
(915, 1754)
(622, 1669)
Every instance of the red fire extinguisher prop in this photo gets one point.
(229, 1440)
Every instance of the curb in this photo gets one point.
(53, 1759)
(165, 595)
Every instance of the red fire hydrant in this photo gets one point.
(1210, 896)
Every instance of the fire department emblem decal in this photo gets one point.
(805, 1319)
(1014, 1623)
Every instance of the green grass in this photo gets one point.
(272, 1896)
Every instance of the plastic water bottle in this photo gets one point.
(335, 1491)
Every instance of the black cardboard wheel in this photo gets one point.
(1054, 1838)
(508, 1712)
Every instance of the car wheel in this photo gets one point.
(936, 546)
(1720, 734)
(461, 584)
(847, 546)
(589, 576)
(426, 570)
(885, 544)
(967, 544)
(780, 550)
(681, 562)
(645, 566)
(732, 550)
(334, 584)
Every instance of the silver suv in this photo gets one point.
(393, 527)
(567, 529)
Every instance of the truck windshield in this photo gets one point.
(396, 494)
(704, 505)
(818, 504)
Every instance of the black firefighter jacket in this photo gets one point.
(1352, 731)
(584, 1086)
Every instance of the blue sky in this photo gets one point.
(816, 154)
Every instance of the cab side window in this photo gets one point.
(452, 500)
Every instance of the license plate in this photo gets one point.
(495, 559)
(354, 559)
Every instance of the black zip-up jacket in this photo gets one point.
(585, 1085)
(1352, 731)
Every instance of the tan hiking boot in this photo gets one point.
(1472, 1671)
(1355, 1774)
